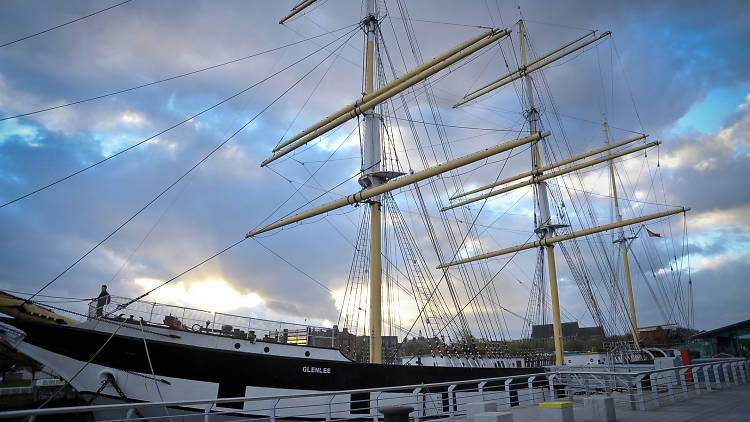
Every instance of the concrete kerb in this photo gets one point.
(473, 409)
(599, 409)
(493, 417)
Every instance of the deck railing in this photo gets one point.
(189, 319)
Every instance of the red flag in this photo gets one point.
(652, 234)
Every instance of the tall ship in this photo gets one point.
(419, 241)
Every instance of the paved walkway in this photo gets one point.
(728, 405)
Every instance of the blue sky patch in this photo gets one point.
(13, 130)
(704, 116)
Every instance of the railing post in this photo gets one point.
(480, 389)
(740, 378)
(639, 392)
(586, 385)
(272, 417)
(683, 381)
(706, 378)
(328, 411)
(670, 390)
(735, 368)
(418, 407)
(739, 372)
(728, 373)
(696, 380)
(130, 415)
(451, 400)
(716, 374)
(375, 407)
(741, 366)
(207, 412)
(531, 388)
(507, 392)
(551, 381)
(654, 390)
(596, 382)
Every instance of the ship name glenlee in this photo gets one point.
(316, 370)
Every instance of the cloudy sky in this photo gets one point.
(677, 71)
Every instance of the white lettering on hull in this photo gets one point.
(315, 370)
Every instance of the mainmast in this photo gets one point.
(544, 227)
(375, 179)
(623, 242)
(372, 177)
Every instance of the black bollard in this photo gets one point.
(396, 413)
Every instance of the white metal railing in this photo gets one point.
(648, 389)
(122, 309)
(636, 390)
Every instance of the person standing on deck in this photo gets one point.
(102, 300)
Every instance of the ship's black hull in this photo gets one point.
(184, 371)
(234, 368)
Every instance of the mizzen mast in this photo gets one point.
(623, 242)
(545, 229)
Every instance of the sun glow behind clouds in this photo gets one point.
(211, 295)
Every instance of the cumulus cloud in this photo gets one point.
(705, 153)
(213, 294)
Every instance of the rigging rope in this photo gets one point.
(188, 119)
(480, 309)
(63, 24)
(293, 266)
(182, 176)
(171, 78)
(67, 382)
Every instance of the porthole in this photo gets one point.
(307, 353)
(266, 349)
(236, 345)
